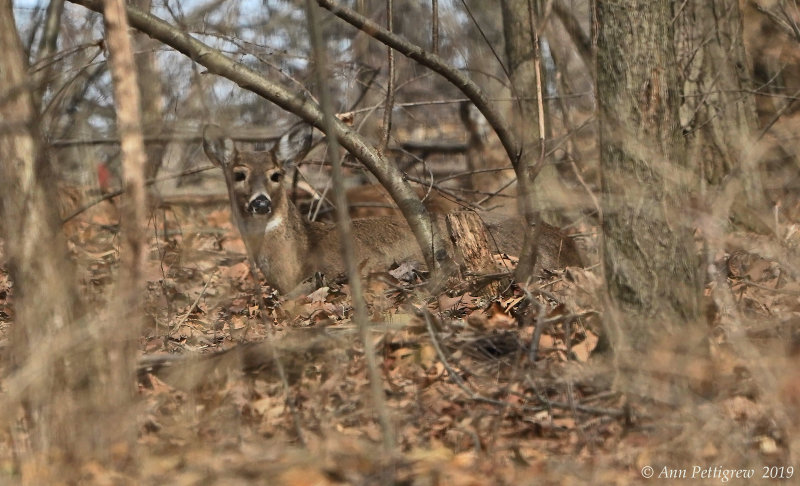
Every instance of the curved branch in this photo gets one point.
(438, 65)
(430, 241)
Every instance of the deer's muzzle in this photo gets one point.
(260, 205)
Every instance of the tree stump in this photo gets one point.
(471, 244)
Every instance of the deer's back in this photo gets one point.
(379, 242)
(556, 249)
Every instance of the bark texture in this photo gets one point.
(650, 263)
(150, 93)
(471, 243)
(119, 370)
(718, 112)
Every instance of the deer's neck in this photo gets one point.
(279, 245)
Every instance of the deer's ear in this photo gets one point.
(293, 145)
(217, 146)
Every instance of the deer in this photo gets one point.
(288, 249)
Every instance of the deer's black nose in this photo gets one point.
(260, 205)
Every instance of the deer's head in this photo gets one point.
(255, 180)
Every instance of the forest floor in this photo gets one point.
(238, 386)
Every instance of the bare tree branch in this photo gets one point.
(438, 65)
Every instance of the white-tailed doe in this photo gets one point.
(287, 248)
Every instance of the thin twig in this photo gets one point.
(390, 88)
(456, 378)
(769, 289)
(119, 192)
(194, 304)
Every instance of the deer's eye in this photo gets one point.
(276, 176)
(239, 175)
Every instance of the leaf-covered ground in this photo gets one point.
(239, 386)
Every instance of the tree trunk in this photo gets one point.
(119, 364)
(36, 252)
(73, 376)
(651, 267)
(535, 178)
(150, 89)
(719, 112)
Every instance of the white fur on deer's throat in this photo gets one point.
(273, 224)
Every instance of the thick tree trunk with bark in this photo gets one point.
(650, 261)
(718, 112)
